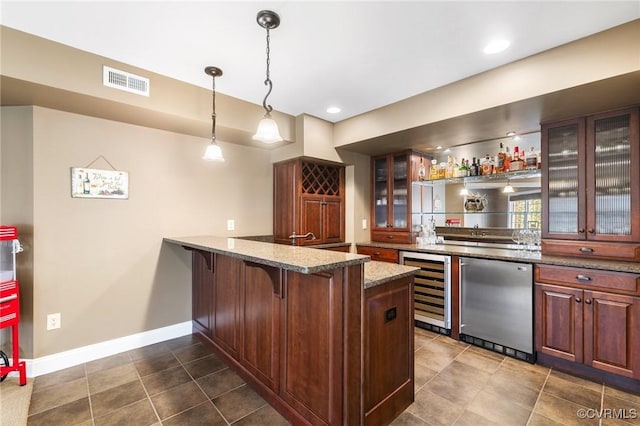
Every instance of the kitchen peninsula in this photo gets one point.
(325, 337)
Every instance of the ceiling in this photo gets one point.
(356, 55)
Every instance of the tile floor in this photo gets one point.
(181, 382)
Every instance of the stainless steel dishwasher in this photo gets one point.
(496, 306)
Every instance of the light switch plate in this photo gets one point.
(364, 223)
(231, 225)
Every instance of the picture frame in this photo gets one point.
(98, 183)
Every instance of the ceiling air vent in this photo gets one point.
(122, 80)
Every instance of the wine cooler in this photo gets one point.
(432, 290)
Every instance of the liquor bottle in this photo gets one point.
(532, 159)
(516, 163)
(433, 170)
(487, 165)
(422, 171)
(473, 171)
(463, 171)
(449, 168)
(86, 184)
(507, 160)
(500, 160)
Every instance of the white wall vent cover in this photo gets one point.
(122, 80)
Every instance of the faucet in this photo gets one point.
(475, 231)
(293, 236)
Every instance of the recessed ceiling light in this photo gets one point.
(333, 110)
(496, 46)
(438, 147)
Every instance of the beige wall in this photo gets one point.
(603, 55)
(102, 263)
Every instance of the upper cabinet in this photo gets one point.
(308, 202)
(591, 186)
(391, 177)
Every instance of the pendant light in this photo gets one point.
(267, 127)
(508, 189)
(213, 151)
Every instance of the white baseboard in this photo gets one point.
(61, 360)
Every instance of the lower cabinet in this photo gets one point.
(388, 350)
(578, 323)
(381, 254)
(318, 347)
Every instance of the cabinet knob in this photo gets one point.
(587, 301)
(578, 300)
(376, 253)
(591, 231)
(390, 237)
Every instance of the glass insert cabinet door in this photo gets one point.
(613, 179)
(563, 179)
(380, 189)
(401, 182)
(591, 178)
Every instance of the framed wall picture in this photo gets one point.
(97, 183)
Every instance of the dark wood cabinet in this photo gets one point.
(318, 347)
(225, 302)
(260, 317)
(559, 321)
(391, 177)
(381, 254)
(576, 322)
(308, 196)
(388, 350)
(202, 283)
(590, 186)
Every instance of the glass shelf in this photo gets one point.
(520, 174)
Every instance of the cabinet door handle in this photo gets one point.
(390, 237)
(376, 253)
(578, 300)
(581, 230)
(587, 301)
(591, 230)
(583, 278)
(586, 250)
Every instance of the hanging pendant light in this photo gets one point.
(267, 127)
(508, 188)
(213, 151)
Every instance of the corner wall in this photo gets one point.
(101, 263)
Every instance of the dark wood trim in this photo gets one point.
(590, 373)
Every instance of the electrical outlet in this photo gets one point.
(53, 321)
(364, 223)
(231, 225)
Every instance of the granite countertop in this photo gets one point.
(376, 273)
(294, 258)
(505, 252)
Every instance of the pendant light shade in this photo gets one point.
(267, 127)
(213, 151)
(267, 130)
(508, 189)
